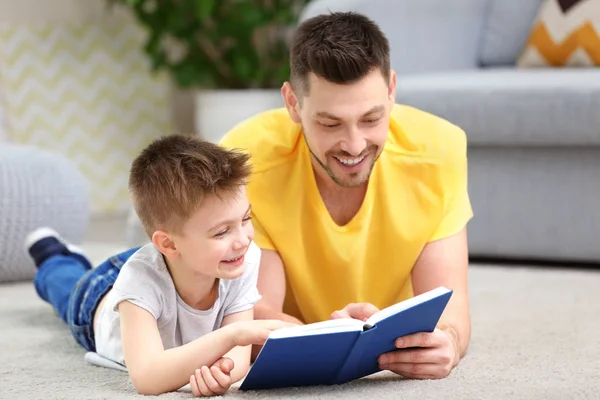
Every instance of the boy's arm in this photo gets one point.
(240, 355)
(154, 370)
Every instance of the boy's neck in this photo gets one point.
(197, 291)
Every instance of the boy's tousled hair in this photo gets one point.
(170, 178)
(341, 47)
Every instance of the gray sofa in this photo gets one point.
(533, 134)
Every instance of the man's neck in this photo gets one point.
(342, 203)
(197, 291)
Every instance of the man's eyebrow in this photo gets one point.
(325, 114)
(229, 221)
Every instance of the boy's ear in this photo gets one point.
(164, 244)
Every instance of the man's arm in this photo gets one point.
(271, 285)
(445, 263)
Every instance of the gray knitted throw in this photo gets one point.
(37, 188)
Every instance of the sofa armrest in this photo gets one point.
(424, 35)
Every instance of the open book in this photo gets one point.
(341, 350)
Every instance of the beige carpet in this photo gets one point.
(536, 335)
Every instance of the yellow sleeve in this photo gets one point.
(261, 238)
(457, 205)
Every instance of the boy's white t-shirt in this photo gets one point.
(145, 281)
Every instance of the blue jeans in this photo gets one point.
(75, 291)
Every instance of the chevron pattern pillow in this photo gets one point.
(566, 33)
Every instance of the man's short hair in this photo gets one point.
(172, 176)
(341, 47)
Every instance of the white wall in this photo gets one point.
(49, 11)
(73, 11)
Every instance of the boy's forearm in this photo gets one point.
(241, 362)
(172, 368)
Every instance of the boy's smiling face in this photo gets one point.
(214, 240)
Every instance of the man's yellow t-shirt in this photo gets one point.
(417, 193)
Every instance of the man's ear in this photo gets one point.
(392, 86)
(163, 242)
(291, 102)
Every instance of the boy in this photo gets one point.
(180, 309)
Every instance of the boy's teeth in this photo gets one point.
(350, 161)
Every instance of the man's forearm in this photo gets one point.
(460, 338)
(265, 311)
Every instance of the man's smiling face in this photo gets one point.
(346, 126)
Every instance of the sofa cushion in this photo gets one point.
(509, 106)
(424, 35)
(506, 30)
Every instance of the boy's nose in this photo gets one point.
(242, 241)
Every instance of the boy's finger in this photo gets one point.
(204, 390)
(194, 386)
(225, 364)
(223, 379)
(210, 380)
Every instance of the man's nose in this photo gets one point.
(354, 144)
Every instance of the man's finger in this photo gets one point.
(415, 356)
(361, 311)
(339, 314)
(421, 339)
(418, 371)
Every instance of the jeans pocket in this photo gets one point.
(82, 335)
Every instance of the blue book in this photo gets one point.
(340, 350)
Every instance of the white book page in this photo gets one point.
(406, 304)
(318, 328)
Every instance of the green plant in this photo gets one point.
(223, 44)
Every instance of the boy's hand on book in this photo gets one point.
(425, 355)
(256, 331)
(360, 311)
(212, 381)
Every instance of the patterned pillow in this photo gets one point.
(565, 33)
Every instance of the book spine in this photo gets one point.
(355, 367)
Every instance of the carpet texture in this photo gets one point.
(535, 336)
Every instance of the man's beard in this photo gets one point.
(352, 182)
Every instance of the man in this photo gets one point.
(358, 203)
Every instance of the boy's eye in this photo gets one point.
(248, 218)
(222, 233)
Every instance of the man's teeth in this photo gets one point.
(350, 161)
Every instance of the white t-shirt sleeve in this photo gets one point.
(140, 281)
(244, 293)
